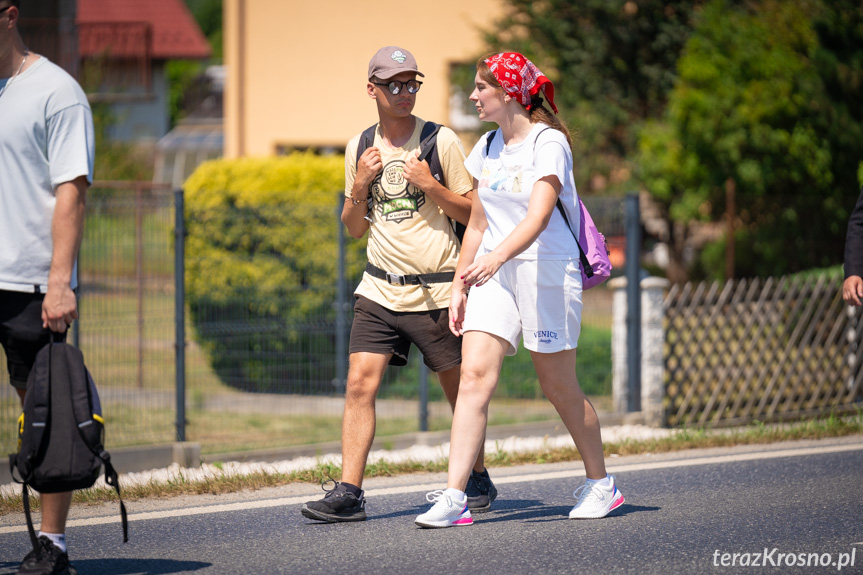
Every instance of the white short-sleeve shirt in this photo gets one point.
(506, 177)
(46, 139)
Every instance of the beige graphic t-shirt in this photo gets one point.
(409, 232)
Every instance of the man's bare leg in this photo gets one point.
(358, 423)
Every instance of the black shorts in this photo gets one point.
(21, 333)
(378, 330)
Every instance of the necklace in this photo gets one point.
(6, 85)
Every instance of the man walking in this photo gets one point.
(46, 154)
(404, 295)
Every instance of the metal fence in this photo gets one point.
(126, 286)
(260, 360)
(765, 350)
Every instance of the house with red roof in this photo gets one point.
(123, 47)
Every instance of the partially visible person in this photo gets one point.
(404, 294)
(46, 165)
(520, 262)
(852, 288)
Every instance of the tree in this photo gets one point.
(182, 74)
(208, 15)
(613, 63)
(768, 95)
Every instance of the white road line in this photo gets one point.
(283, 502)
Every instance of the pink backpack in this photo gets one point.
(595, 265)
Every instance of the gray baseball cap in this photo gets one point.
(392, 60)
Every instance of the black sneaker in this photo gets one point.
(46, 559)
(337, 505)
(480, 492)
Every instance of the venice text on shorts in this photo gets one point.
(775, 558)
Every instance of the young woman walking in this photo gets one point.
(519, 261)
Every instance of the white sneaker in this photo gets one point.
(445, 512)
(595, 502)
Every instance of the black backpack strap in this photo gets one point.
(429, 152)
(82, 400)
(37, 394)
(428, 140)
(489, 138)
(94, 440)
(113, 480)
(80, 389)
(367, 140)
(25, 495)
(585, 265)
(38, 398)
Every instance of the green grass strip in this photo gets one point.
(757, 433)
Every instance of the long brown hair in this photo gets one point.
(538, 112)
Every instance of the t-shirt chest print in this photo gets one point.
(395, 199)
(500, 178)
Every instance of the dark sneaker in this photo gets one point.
(480, 492)
(46, 559)
(337, 505)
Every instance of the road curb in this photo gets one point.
(188, 454)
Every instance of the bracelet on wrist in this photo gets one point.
(358, 202)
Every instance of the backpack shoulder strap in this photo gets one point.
(367, 139)
(85, 400)
(489, 138)
(73, 370)
(428, 139)
(37, 412)
(536, 140)
(585, 265)
(429, 151)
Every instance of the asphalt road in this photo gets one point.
(795, 507)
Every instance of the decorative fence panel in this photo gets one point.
(766, 350)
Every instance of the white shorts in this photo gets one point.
(539, 300)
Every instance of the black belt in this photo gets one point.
(409, 279)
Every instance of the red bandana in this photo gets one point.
(520, 78)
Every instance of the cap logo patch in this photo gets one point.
(399, 57)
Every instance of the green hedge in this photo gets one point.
(261, 274)
(261, 269)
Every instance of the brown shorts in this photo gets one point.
(378, 330)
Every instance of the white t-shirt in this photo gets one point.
(46, 139)
(409, 232)
(505, 181)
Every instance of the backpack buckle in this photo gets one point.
(395, 279)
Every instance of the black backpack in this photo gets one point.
(61, 431)
(428, 152)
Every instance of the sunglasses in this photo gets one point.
(395, 86)
(6, 8)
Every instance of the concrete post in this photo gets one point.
(619, 365)
(652, 342)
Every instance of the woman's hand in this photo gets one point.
(457, 304)
(482, 269)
